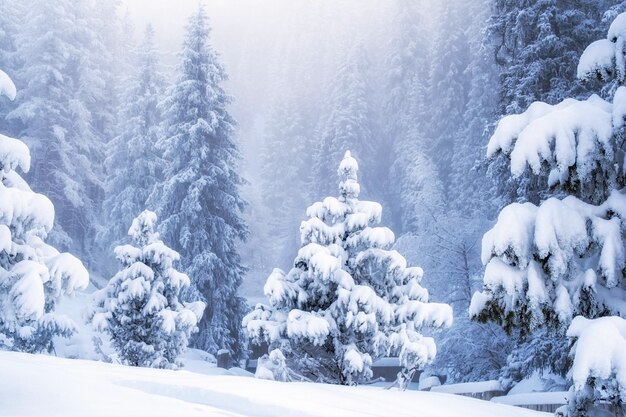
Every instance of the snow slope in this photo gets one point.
(40, 385)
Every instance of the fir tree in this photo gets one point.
(199, 199)
(349, 299)
(140, 308)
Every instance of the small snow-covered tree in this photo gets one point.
(140, 308)
(348, 299)
(33, 275)
(565, 258)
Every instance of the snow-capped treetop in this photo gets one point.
(142, 230)
(7, 87)
(348, 170)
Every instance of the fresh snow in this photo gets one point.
(600, 350)
(531, 398)
(44, 385)
(469, 387)
(7, 88)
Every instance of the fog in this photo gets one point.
(277, 50)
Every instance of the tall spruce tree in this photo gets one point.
(199, 198)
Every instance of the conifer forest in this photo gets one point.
(313, 208)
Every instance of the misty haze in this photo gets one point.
(312, 208)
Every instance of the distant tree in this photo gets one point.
(140, 308)
(134, 164)
(33, 274)
(414, 188)
(284, 177)
(61, 113)
(199, 198)
(350, 122)
(348, 300)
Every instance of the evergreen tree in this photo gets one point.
(449, 88)
(134, 164)
(536, 45)
(414, 188)
(349, 123)
(559, 265)
(58, 110)
(284, 177)
(140, 308)
(199, 198)
(349, 299)
(33, 274)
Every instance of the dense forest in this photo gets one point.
(227, 142)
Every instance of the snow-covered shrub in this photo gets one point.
(140, 308)
(272, 367)
(33, 275)
(348, 299)
(546, 264)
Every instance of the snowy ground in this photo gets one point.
(39, 385)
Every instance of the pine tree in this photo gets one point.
(33, 274)
(348, 300)
(199, 198)
(140, 308)
(134, 163)
(559, 264)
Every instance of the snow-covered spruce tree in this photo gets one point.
(565, 258)
(348, 299)
(140, 308)
(199, 198)
(134, 165)
(33, 275)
